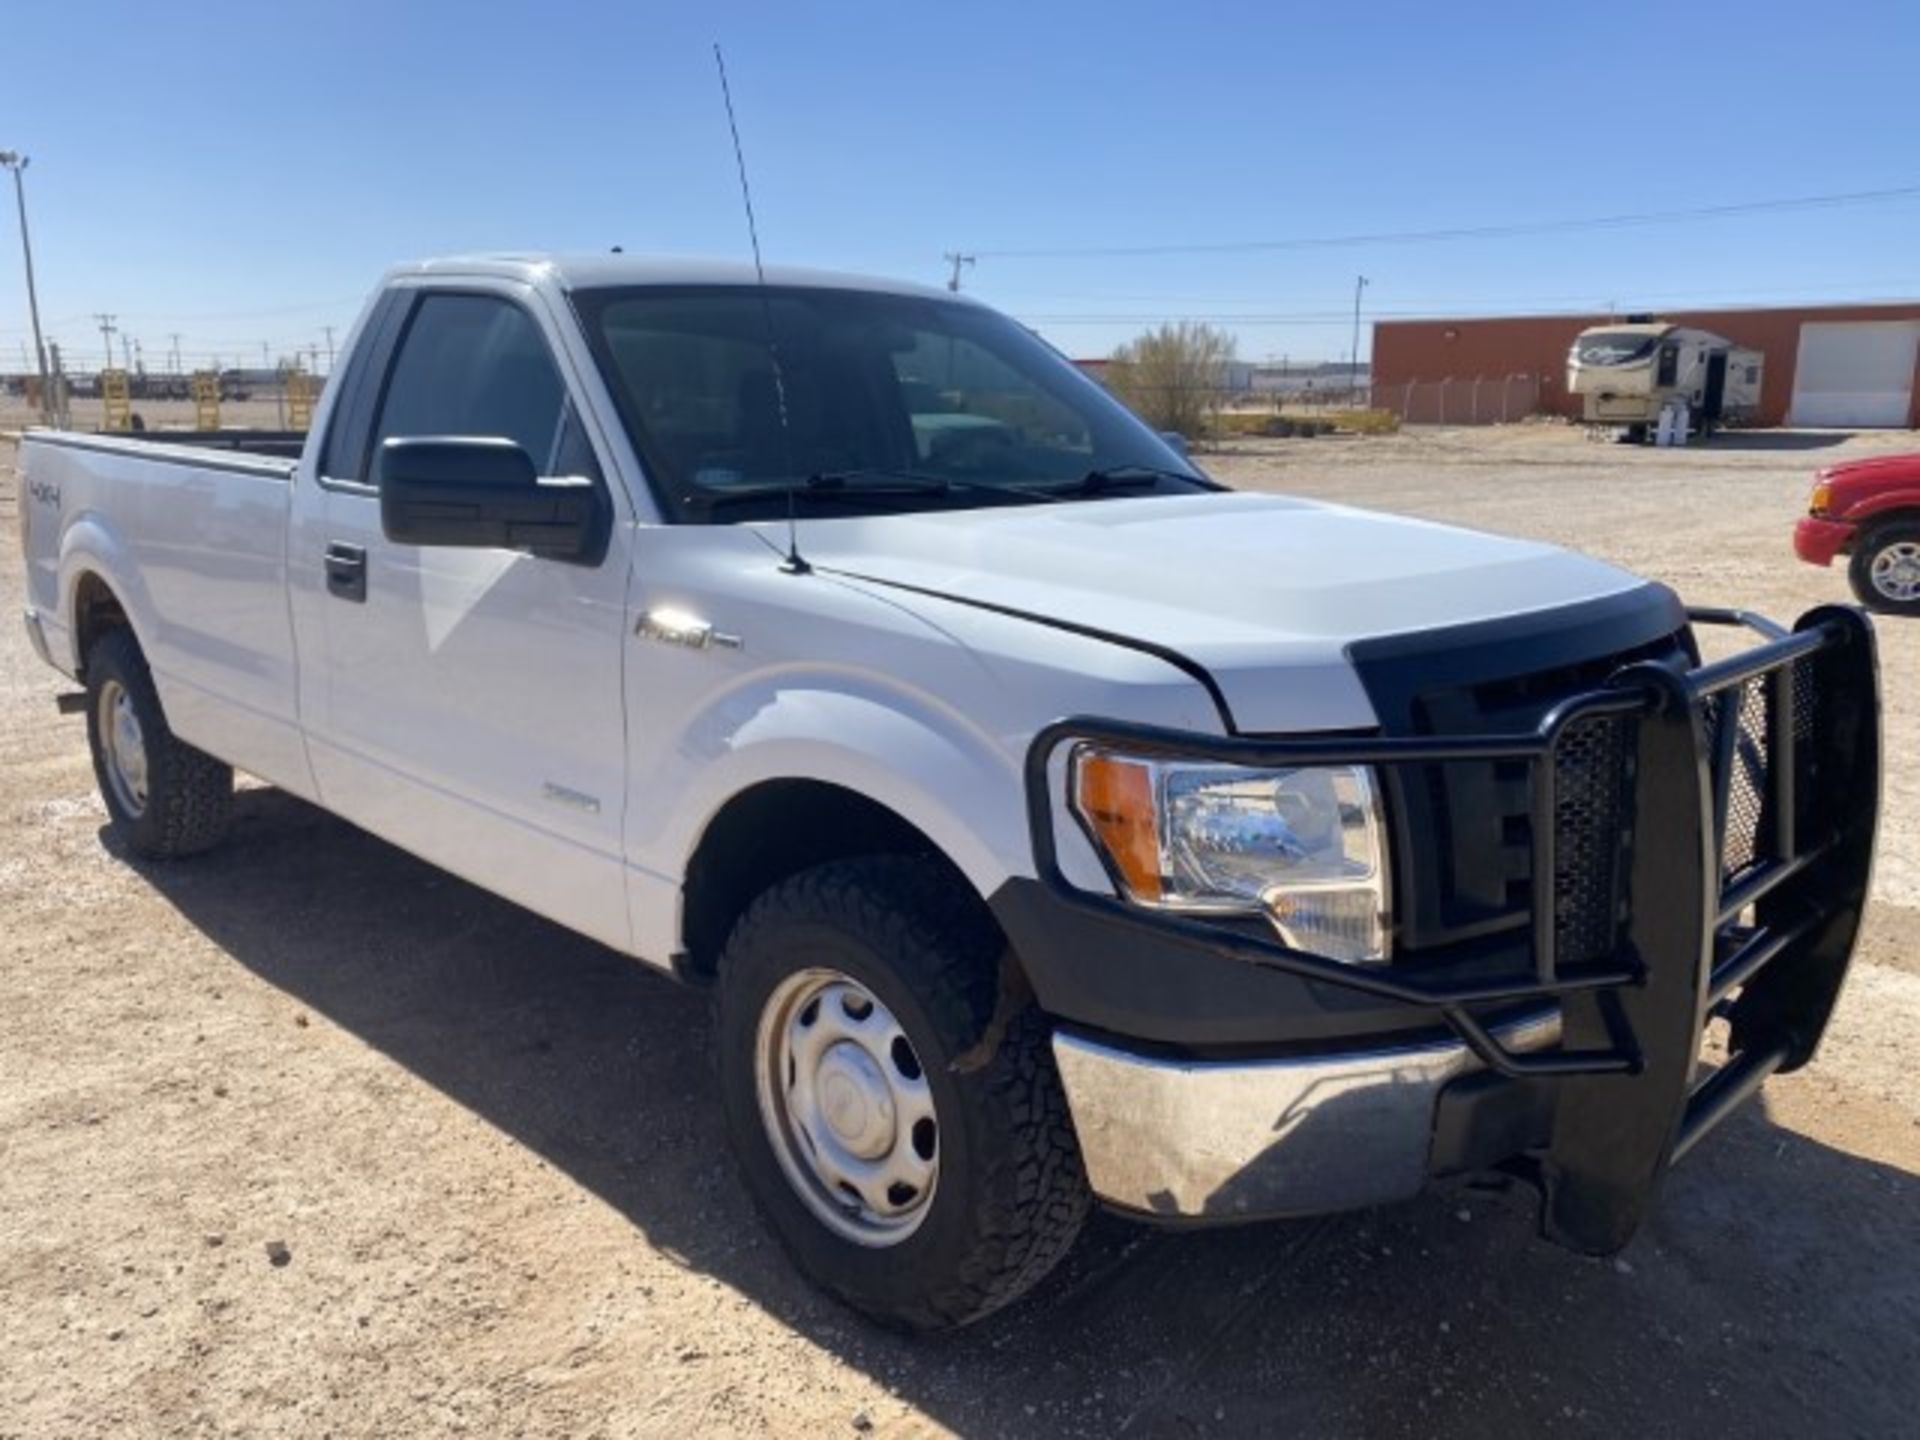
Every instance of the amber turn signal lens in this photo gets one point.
(1822, 499)
(1115, 797)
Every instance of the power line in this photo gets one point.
(1471, 232)
(1007, 299)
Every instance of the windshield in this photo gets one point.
(961, 401)
(1614, 347)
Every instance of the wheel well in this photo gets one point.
(1880, 520)
(96, 610)
(774, 830)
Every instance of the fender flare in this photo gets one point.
(90, 548)
(925, 764)
(1877, 510)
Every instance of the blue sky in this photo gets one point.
(240, 174)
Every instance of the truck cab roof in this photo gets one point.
(593, 272)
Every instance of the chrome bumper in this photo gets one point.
(1243, 1139)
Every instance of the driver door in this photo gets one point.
(470, 707)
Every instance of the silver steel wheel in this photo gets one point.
(1896, 571)
(847, 1107)
(125, 747)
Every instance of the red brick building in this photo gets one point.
(1845, 365)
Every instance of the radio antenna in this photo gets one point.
(793, 564)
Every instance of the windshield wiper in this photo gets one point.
(855, 485)
(940, 484)
(1130, 477)
(834, 485)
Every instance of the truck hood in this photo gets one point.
(1874, 468)
(1263, 592)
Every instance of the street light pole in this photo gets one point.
(1353, 372)
(16, 162)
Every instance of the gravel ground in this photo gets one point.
(304, 1138)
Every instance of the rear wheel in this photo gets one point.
(1886, 568)
(165, 798)
(897, 1117)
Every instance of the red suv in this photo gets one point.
(1869, 509)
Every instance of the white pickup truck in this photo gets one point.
(1049, 821)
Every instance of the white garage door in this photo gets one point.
(1857, 373)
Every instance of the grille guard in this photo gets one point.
(1763, 943)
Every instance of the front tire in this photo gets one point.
(1885, 571)
(164, 797)
(896, 1115)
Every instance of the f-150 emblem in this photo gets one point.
(44, 491)
(678, 627)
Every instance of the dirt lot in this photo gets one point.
(490, 1150)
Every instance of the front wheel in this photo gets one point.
(895, 1113)
(1886, 569)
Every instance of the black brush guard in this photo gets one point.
(1753, 786)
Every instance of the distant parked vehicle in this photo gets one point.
(1626, 373)
(1870, 510)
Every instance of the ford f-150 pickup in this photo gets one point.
(1050, 822)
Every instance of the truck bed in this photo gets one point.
(281, 447)
(285, 444)
(192, 538)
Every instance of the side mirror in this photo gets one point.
(1176, 442)
(482, 492)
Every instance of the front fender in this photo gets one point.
(1879, 507)
(923, 761)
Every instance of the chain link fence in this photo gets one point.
(1462, 400)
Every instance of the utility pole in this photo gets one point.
(956, 259)
(329, 330)
(174, 362)
(16, 162)
(107, 327)
(1353, 373)
(57, 404)
(126, 352)
(139, 359)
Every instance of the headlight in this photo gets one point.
(1304, 846)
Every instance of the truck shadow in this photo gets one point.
(1775, 1292)
(1778, 439)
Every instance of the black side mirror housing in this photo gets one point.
(482, 492)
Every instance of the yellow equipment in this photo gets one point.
(206, 399)
(299, 400)
(118, 400)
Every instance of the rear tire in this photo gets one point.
(1004, 1193)
(164, 797)
(1885, 571)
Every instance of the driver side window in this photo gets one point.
(477, 365)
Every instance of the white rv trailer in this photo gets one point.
(1626, 373)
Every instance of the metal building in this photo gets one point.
(1851, 366)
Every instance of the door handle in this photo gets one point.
(347, 572)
